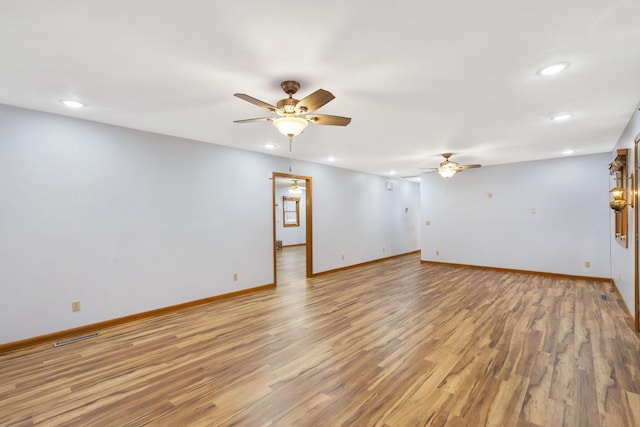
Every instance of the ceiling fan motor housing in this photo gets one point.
(287, 104)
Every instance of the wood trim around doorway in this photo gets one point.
(636, 234)
(308, 220)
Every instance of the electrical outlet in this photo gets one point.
(235, 277)
(587, 264)
(437, 252)
(383, 249)
(342, 257)
(534, 211)
(427, 223)
(75, 306)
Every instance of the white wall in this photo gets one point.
(366, 220)
(128, 221)
(570, 226)
(291, 235)
(622, 259)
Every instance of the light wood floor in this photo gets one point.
(291, 264)
(394, 343)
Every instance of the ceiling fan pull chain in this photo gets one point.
(290, 143)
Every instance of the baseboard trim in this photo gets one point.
(513, 270)
(630, 318)
(362, 264)
(80, 330)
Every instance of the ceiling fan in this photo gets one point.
(295, 188)
(292, 115)
(448, 168)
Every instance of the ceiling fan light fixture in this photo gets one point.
(448, 168)
(295, 189)
(446, 172)
(290, 126)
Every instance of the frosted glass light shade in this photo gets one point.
(293, 126)
(619, 200)
(446, 172)
(617, 193)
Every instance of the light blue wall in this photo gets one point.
(128, 221)
(622, 259)
(291, 235)
(486, 216)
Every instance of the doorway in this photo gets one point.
(291, 212)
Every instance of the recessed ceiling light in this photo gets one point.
(567, 152)
(71, 103)
(561, 117)
(270, 146)
(552, 69)
(331, 159)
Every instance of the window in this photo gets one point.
(291, 211)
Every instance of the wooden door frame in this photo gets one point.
(636, 234)
(308, 220)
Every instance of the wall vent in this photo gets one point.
(74, 340)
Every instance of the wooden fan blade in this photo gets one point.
(260, 119)
(326, 119)
(462, 167)
(314, 101)
(256, 102)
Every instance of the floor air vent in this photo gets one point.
(74, 340)
(604, 297)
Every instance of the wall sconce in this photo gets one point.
(623, 194)
(619, 201)
(619, 195)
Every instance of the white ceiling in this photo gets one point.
(419, 78)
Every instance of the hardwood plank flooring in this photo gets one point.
(395, 343)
